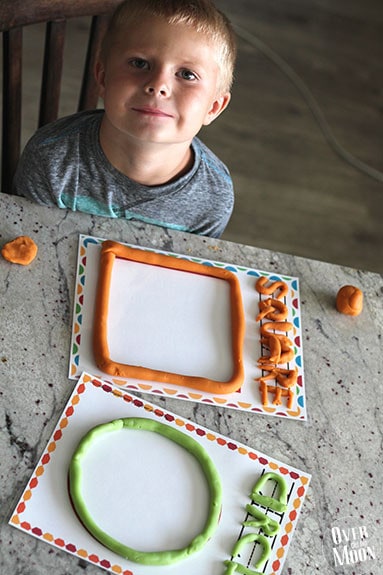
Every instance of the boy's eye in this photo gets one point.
(187, 75)
(139, 63)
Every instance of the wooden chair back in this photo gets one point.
(14, 16)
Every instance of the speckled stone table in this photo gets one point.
(340, 444)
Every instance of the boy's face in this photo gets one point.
(159, 83)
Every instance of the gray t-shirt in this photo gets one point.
(64, 165)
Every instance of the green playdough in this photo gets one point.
(149, 557)
(234, 567)
(251, 538)
(280, 504)
(266, 523)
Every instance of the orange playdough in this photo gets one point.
(349, 300)
(109, 252)
(21, 250)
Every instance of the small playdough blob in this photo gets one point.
(22, 250)
(349, 300)
(145, 490)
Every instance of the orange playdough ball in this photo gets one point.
(21, 250)
(349, 300)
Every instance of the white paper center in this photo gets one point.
(145, 490)
(170, 320)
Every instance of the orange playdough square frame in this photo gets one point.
(109, 252)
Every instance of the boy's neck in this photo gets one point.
(147, 164)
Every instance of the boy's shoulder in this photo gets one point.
(65, 128)
(208, 158)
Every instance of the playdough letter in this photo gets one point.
(271, 502)
(267, 524)
(233, 567)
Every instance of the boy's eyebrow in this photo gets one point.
(192, 63)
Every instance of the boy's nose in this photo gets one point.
(157, 85)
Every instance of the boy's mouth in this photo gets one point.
(152, 111)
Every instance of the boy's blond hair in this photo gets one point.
(202, 15)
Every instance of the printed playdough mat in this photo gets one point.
(180, 322)
(150, 493)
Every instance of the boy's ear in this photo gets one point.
(99, 74)
(217, 107)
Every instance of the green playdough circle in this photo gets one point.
(185, 441)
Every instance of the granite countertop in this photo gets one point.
(340, 445)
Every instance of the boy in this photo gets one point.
(165, 70)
